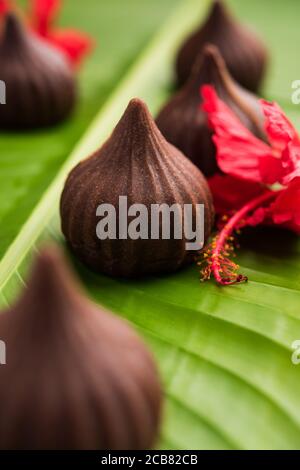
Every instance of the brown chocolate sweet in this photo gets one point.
(244, 53)
(76, 377)
(136, 162)
(40, 84)
(184, 123)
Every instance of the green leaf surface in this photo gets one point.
(224, 353)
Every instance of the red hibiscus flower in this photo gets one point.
(259, 183)
(42, 17)
(4, 7)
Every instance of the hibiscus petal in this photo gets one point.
(74, 44)
(284, 137)
(286, 208)
(43, 14)
(239, 152)
(290, 162)
(5, 6)
(279, 129)
(231, 194)
(258, 217)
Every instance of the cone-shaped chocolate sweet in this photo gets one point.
(40, 85)
(76, 377)
(244, 53)
(184, 124)
(138, 163)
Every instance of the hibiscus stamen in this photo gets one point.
(216, 258)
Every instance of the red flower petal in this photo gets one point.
(74, 44)
(239, 152)
(290, 162)
(286, 208)
(283, 136)
(279, 129)
(5, 6)
(43, 14)
(230, 193)
(258, 217)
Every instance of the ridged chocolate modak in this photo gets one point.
(243, 51)
(137, 162)
(184, 123)
(76, 377)
(40, 85)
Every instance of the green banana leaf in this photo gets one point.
(224, 353)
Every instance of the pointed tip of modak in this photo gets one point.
(218, 15)
(51, 277)
(209, 67)
(138, 109)
(51, 265)
(138, 119)
(48, 260)
(218, 9)
(217, 6)
(137, 103)
(211, 56)
(13, 27)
